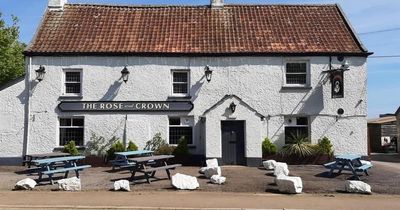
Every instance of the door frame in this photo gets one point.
(243, 122)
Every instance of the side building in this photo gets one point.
(223, 76)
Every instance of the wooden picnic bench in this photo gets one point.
(121, 158)
(350, 163)
(29, 158)
(150, 165)
(51, 166)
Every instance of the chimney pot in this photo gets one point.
(56, 5)
(217, 4)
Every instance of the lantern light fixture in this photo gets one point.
(232, 107)
(125, 74)
(40, 73)
(345, 66)
(208, 73)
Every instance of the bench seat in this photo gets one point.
(61, 170)
(363, 168)
(147, 170)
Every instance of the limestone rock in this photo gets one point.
(184, 182)
(211, 163)
(209, 172)
(216, 179)
(354, 186)
(70, 184)
(25, 184)
(202, 170)
(281, 169)
(122, 185)
(269, 164)
(289, 184)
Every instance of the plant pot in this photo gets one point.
(95, 161)
(185, 160)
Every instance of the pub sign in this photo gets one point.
(337, 84)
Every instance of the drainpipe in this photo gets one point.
(25, 149)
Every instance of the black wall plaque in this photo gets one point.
(337, 84)
(125, 106)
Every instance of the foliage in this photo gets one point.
(98, 145)
(165, 150)
(182, 149)
(11, 57)
(155, 143)
(268, 148)
(116, 147)
(324, 147)
(70, 148)
(131, 146)
(300, 148)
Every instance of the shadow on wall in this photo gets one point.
(195, 89)
(112, 91)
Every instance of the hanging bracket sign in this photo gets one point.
(125, 106)
(337, 84)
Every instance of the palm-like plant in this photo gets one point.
(300, 147)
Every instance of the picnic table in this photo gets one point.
(122, 158)
(150, 165)
(29, 158)
(350, 162)
(51, 166)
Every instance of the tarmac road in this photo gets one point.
(191, 200)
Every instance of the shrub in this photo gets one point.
(98, 145)
(155, 143)
(324, 147)
(182, 149)
(131, 146)
(70, 148)
(268, 148)
(116, 147)
(300, 148)
(165, 150)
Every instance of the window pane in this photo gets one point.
(292, 132)
(180, 88)
(296, 78)
(175, 133)
(65, 121)
(296, 68)
(73, 88)
(77, 122)
(302, 121)
(180, 77)
(174, 121)
(71, 134)
(72, 76)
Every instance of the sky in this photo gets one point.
(377, 23)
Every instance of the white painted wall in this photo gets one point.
(257, 81)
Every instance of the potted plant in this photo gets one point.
(181, 153)
(70, 148)
(299, 151)
(268, 149)
(96, 150)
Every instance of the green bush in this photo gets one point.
(299, 148)
(116, 147)
(70, 148)
(268, 148)
(131, 146)
(324, 147)
(182, 149)
(155, 143)
(165, 150)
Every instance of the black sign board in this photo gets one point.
(337, 84)
(125, 106)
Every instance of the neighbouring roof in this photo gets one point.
(235, 29)
(397, 113)
(382, 120)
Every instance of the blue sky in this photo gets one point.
(364, 15)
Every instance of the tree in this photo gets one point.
(11, 57)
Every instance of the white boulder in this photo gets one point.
(25, 184)
(353, 186)
(216, 179)
(202, 170)
(289, 184)
(70, 184)
(211, 163)
(184, 182)
(210, 171)
(269, 164)
(281, 169)
(122, 185)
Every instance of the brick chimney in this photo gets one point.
(56, 5)
(217, 4)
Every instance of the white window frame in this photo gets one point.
(72, 118)
(187, 71)
(64, 82)
(308, 75)
(180, 126)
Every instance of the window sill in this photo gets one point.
(70, 97)
(289, 87)
(179, 98)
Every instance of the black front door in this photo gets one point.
(233, 143)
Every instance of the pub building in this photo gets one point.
(223, 76)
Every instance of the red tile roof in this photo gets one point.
(235, 29)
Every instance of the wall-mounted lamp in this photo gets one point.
(345, 66)
(208, 73)
(125, 74)
(232, 106)
(40, 73)
(340, 112)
